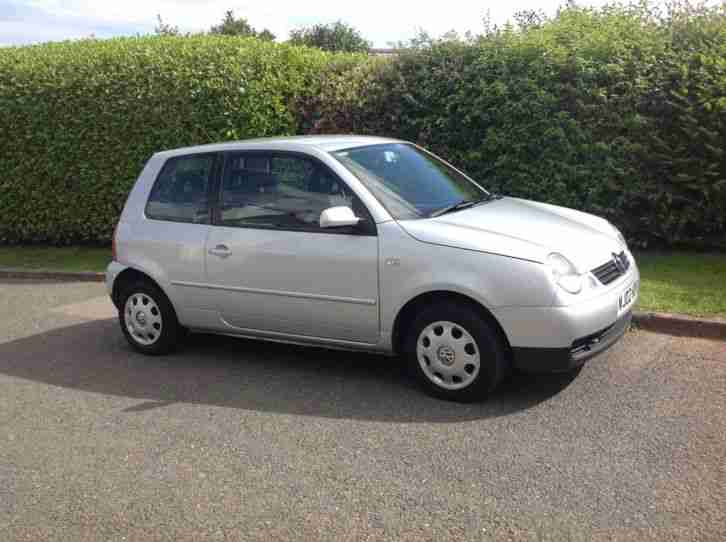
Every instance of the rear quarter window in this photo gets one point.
(181, 191)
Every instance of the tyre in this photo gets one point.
(148, 319)
(454, 354)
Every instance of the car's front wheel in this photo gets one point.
(454, 353)
(148, 319)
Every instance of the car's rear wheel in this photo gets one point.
(454, 353)
(147, 319)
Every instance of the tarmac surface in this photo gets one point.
(232, 439)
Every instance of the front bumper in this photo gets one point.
(549, 360)
(558, 338)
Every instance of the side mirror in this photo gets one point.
(338, 217)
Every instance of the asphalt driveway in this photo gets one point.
(233, 439)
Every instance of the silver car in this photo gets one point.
(370, 244)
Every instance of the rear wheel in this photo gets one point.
(454, 353)
(147, 319)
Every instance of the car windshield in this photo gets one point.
(409, 182)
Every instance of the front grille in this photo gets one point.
(585, 347)
(585, 344)
(610, 271)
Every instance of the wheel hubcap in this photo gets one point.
(143, 319)
(448, 355)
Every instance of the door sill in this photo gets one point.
(291, 338)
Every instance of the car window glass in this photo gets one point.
(255, 163)
(410, 183)
(276, 191)
(180, 192)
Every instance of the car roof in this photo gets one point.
(325, 143)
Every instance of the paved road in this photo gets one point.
(234, 439)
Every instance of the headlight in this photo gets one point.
(564, 273)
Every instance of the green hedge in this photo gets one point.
(618, 111)
(79, 119)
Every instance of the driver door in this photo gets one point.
(269, 265)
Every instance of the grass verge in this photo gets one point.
(55, 258)
(683, 282)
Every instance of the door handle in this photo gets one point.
(220, 250)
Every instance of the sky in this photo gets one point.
(380, 21)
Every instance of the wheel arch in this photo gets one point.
(129, 276)
(407, 313)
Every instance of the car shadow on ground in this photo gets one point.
(252, 375)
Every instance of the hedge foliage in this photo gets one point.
(80, 119)
(619, 111)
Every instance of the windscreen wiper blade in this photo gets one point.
(463, 204)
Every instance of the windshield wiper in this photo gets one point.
(463, 204)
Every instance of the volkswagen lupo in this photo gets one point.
(370, 244)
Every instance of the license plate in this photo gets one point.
(627, 298)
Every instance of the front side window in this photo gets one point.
(409, 182)
(180, 191)
(279, 191)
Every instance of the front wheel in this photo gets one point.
(454, 353)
